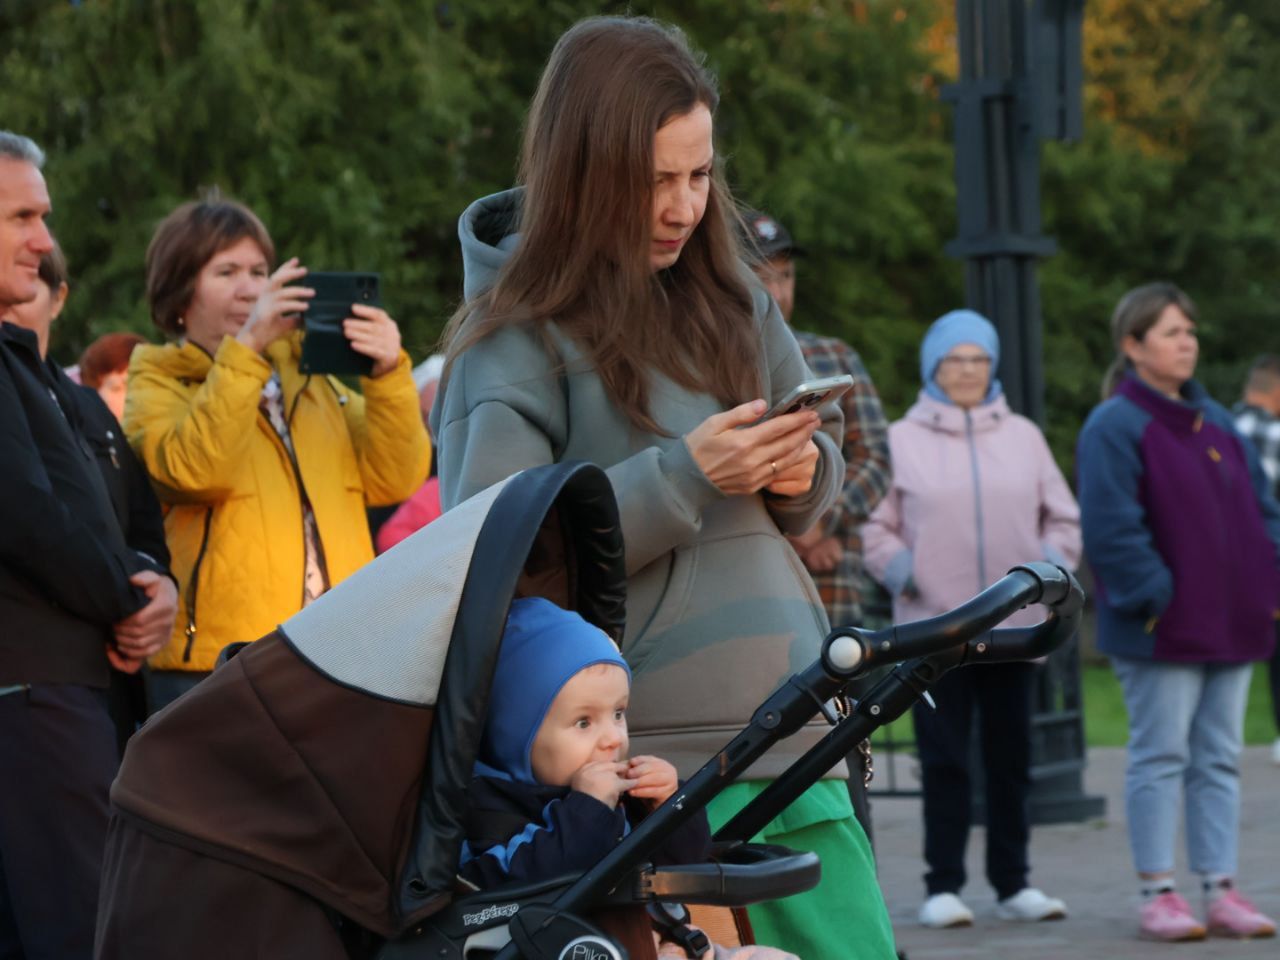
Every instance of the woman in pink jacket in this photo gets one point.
(975, 492)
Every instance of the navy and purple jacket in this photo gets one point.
(1180, 529)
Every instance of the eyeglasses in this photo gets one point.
(955, 363)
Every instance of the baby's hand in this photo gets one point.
(602, 779)
(654, 779)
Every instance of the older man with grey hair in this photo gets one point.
(24, 206)
(65, 583)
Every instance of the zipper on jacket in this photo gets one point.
(302, 492)
(342, 398)
(293, 407)
(193, 587)
(977, 499)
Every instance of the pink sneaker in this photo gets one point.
(1232, 915)
(1168, 917)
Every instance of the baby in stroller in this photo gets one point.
(554, 789)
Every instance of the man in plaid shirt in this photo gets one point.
(832, 549)
(1258, 420)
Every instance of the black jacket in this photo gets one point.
(132, 497)
(525, 833)
(64, 562)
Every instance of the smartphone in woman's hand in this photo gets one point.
(809, 396)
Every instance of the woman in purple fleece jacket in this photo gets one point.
(1181, 534)
(975, 491)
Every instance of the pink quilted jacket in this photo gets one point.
(974, 493)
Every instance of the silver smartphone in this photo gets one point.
(810, 395)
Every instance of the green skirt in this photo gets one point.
(843, 916)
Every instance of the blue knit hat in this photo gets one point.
(948, 331)
(543, 646)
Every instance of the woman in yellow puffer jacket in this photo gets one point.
(264, 471)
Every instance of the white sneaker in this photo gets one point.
(1030, 904)
(945, 910)
(1275, 752)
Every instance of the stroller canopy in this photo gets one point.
(334, 755)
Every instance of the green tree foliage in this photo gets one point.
(1174, 180)
(355, 132)
(830, 118)
(360, 131)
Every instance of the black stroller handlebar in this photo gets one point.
(736, 874)
(962, 636)
(850, 651)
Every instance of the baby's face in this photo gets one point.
(587, 722)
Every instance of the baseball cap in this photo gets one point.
(767, 236)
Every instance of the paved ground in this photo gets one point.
(1087, 865)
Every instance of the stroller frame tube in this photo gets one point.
(895, 694)
(939, 644)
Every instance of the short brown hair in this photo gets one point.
(53, 268)
(108, 354)
(185, 241)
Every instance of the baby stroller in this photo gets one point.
(308, 798)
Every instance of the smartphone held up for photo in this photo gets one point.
(325, 349)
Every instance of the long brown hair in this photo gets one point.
(1137, 312)
(586, 225)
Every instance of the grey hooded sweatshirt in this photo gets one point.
(720, 610)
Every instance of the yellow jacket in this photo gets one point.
(232, 493)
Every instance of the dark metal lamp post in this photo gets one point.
(1020, 83)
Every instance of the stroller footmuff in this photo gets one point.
(308, 798)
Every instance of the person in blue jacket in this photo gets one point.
(554, 789)
(1182, 533)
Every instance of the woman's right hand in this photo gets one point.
(278, 308)
(742, 459)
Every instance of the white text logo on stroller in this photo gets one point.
(589, 948)
(498, 911)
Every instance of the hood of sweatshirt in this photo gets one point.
(487, 230)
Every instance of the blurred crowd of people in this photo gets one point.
(165, 500)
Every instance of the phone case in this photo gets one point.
(325, 349)
(810, 395)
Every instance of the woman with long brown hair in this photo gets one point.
(608, 317)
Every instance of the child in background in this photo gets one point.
(104, 366)
(554, 790)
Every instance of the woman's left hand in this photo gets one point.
(795, 478)
(373, 333)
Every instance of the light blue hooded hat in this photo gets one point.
(950, 329)
(543, 646)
